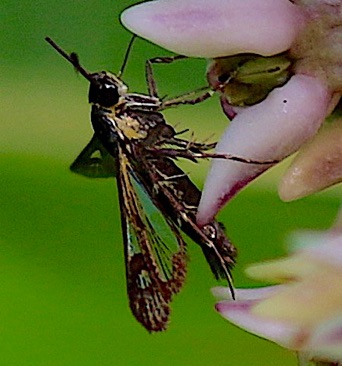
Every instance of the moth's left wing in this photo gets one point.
(154, 249)
(178, 197)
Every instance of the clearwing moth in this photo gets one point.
(133, 142)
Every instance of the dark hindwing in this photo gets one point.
(154, 249)
(94, 161)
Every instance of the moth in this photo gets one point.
(158, 201)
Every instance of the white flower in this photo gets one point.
(304, 313)
(318, 164)
(310, 32)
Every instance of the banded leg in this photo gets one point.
(190, 145)
(151, 81)
(189, 98)
(193, 97)
(193, 156)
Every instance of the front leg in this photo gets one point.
(193, 97)
(151, 81)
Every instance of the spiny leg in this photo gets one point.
(151, 81)
(197, 96)
(189, 98)
(190, 144)
(193, 156)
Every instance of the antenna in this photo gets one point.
(72, 58)
(128, 50)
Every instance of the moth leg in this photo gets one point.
(240, 159)
(193, 97)
(203, 94)
(151, 81)
(191, 145)
(193, 156)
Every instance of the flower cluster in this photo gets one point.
(277, 66)
(304, 313)
(310, 33)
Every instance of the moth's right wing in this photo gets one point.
(94, 161)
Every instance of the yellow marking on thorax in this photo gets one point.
(130, 128)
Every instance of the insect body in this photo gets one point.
(133, 142)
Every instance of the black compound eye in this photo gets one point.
(106, 95)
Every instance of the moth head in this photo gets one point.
(105, 88)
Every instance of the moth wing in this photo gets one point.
(94, 161)
(154, 249)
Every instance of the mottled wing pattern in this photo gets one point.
(178, 198)
(133, 142)
(154, 249)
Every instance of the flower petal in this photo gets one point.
(270, 130)
(317, 166)
(245, 294)
(282, 270)
(241, 314)
(291, 304)
(326, 341)
(323, 247)
(214, 28)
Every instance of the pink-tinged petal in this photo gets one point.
(240, 313)
(203, 28)
(270, 130)
(326, 341)
(323, 247)
(317, 166)
(323, 293)
(260, 293)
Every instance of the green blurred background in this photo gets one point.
(62, 284)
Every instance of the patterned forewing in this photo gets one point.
(154, 249)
